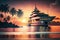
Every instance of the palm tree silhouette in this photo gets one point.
(4, 8)
(1, 16)
(19, 13)
(13, 11)
(7, 18)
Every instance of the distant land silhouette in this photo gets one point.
(7, 25)
(54, 23)
(57, 18)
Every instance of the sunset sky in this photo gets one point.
(50, 7)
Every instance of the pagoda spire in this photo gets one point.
(35, 8)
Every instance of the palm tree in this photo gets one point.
(8, 18)
(4, 8)
(13, 11)
(1, 16)
(19, 13)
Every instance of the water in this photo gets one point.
(30, 33)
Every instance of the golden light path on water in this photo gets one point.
(28, 30)
(25, 31)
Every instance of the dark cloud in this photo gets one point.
(30, 1)
(27, 1)
(57, 2)
(3, 1)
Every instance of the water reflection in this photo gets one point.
(39, 29)
(31, 36)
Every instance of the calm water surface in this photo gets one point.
(40, 36)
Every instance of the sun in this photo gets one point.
(24, 20)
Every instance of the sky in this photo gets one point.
(50, 7)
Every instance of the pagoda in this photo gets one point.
(38, 19)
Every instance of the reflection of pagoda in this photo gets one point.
(39, 19)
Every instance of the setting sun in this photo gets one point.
(24, 20)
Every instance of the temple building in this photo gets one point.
(39, 19)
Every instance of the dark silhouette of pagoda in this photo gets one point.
(39, 19)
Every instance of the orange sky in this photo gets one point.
(28, 6)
